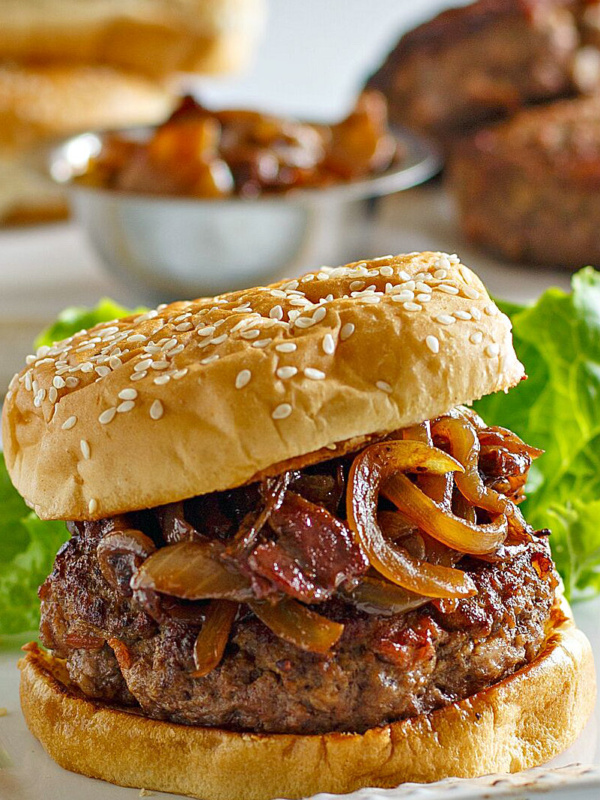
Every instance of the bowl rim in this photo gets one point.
(420, 163)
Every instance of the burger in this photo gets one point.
(297, 561)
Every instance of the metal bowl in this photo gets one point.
(168, 247)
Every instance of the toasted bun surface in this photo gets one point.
(154, 37)
(205, 395)
(519, 723)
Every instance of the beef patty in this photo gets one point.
(383, 668)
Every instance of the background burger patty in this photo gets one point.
(383, 668)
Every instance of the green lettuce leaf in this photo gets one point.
(558, 409)
(27, 550)
(77, 318)
(28, 545)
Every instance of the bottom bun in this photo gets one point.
(518, 723)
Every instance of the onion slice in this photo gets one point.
(444, 526)
(465, 447)
(298, 625)
(212, 639)
(191, 571)
(370, 469)
(382, 597)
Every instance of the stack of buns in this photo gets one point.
(73, 65)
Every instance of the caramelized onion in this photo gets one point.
(465, 447)
(370, 469)
(382, 597)
(130, 546)
(273, 491)
(298, 625)
(444, 526)
(212, 639)
(438, 487)
(191, 571)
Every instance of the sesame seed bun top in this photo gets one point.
(202, 396)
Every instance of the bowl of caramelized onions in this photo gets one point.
(211, 200)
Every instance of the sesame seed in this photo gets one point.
(299, 301)
(433, 344)
(286, 347)
(282, 411)
(85, 449)
(160, 380)
(440, 274)
(476, 337)
(53, 394)
(286, 372)
(471, 293)
(115, 362)
(447, 288)
(314, 374)
(371, 298)
(250, 334)
(160, 365)
(305, 322)
(492, 350)
(276, 312)
(71, 382)
(412, 307)
(475, 313)
(278, 293)
(28, 383)
(184, 326)
(356, 286)
(462, 315)
(423, 298)
(491, 310)
(322, 276)
(93, 506)
(446, 319)
(180, 373)
(125, 406)
(87, 366)
(328, 344)
(143, 365)
(404, 276)
(156, 410)
(262, 343)
(128, 394)
(319, 314)
(138, 376)
(207, 331)
(207, 360)
(384, 386)
(423, 287)
(387, 271)
(243, 378)
(347, 331)
(172, 352)
(58, 382)
(403, 297)
(107, 416)
(136, 337)
(220, 339)
(29, 359)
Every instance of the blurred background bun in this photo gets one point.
(68, 66)
(153, 37)
(45, 102)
